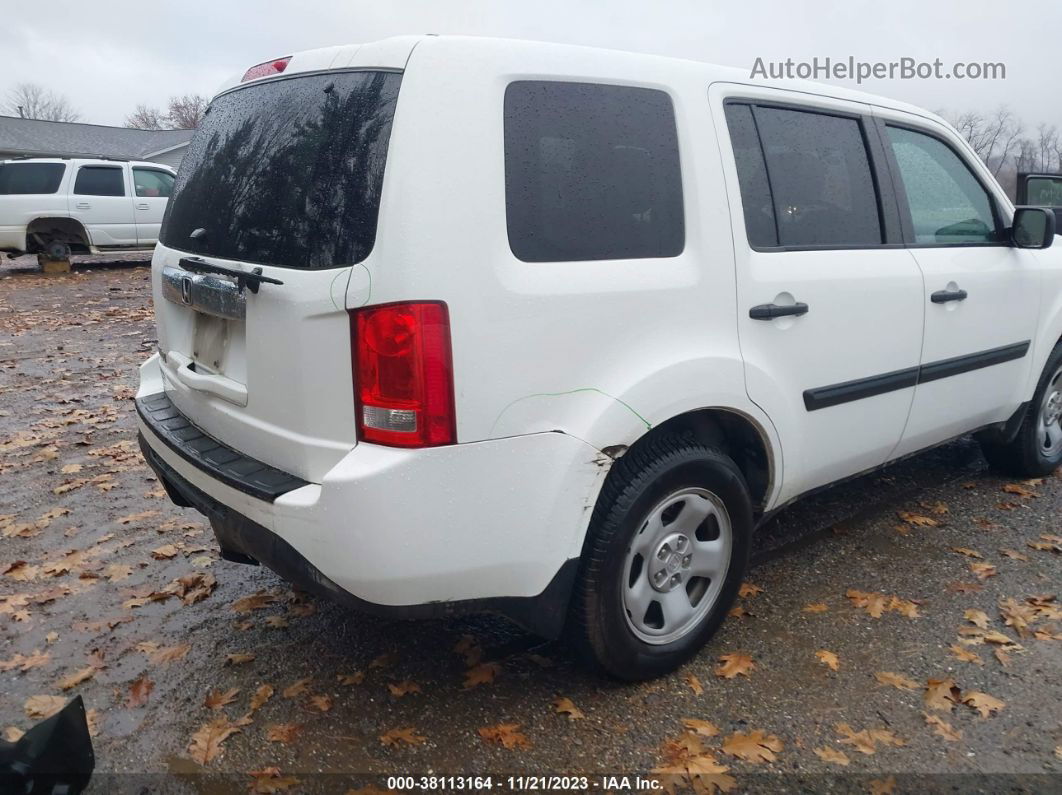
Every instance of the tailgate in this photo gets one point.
(282, 180)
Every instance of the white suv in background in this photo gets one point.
(54, 207)
(451, 324)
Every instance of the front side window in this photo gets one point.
(152, 183)
(591, 172)
(100, 181)
(30, 178)
(948, 205)
(822, 186)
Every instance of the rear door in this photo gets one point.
(981, 296)
(829, 303)
(152, 188)
(101, 200)
(283, 176)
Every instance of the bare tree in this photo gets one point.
(186, 111)
(33, 101)
(147, 118)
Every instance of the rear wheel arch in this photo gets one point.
(735, 433)
(46, 229)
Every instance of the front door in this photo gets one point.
(981, 294)
(829, 303)
(151, 188)
(101, 202)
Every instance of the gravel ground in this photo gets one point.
(106, 581)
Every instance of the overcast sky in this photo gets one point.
(107, 56)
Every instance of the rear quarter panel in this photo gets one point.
(602, 350)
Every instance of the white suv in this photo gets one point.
(54, 207)
(451, 324)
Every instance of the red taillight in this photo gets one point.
(403, 374)
(267, 69)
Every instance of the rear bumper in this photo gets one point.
(492, 526)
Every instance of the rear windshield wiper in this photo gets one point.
(252, 279)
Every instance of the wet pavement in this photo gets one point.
(110, 591)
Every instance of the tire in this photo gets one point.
(1036, 450)
(655, 496)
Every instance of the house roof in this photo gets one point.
(50, 138)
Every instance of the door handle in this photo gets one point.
(771, 311)
(83, 206)
(143, 206)
(943, 296)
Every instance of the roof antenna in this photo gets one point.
(21, 115)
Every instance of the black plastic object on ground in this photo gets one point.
(53, 758)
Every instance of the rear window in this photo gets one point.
(591, 172)
(287, 172)
(30, 177)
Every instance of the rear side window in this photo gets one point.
(287, 172)
(100, 181)
(30, 178)
(820, 178)
(1044, 191)
(152, 183)
(948, 205)
(756, 199)
(591, 172)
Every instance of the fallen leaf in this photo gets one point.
(941, 694)
(256, 601)
(282, 732)
(469, 648)
(385, 660)
(965, 587)
(276, 622)
(21, 571)
(867, 740)
(43, 706)
(13, 734)
(942, 727)
(970, 553)
(694, 684)
(982, 702)
(238, 658)
(918, 521)
(983, 570)
(26, 662)
(165, 552)
(73, 680)
(407, 736)
(959, 653)
(168, 654)
(700, 727)
(738, 611)
(815, 607)
(262, 694)
(405, 688)
(207, 741)
(829, 659)
(136, 517)
(1013, 554)
(507, 735)
(297, 689)
(873, 603)
(883, 786)
(979, 618)
(216, 699)
(117, 571)
(565, 706)
(139, 692)
(732, 665)
(482, 674)
(896, 680)
(755, 746)
(1019, 489)
(748, 590)
(351, 679)
(321, 703)
(268, 781)
(831, 755)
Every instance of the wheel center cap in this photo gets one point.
(669, 565)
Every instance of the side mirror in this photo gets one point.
(1034, 227)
